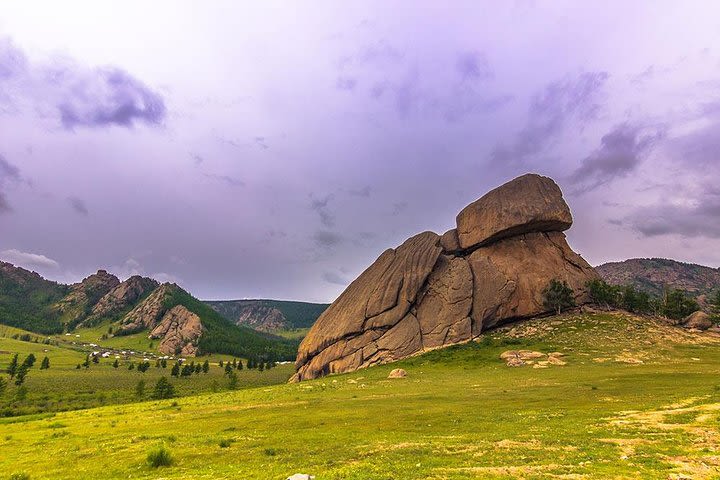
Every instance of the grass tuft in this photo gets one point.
(160, 457)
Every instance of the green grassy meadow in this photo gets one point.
(637, 399)
(64, 387)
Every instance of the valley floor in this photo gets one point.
(637, 399)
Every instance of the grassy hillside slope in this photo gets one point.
(222, 336)
(64, 387)
(637, 399)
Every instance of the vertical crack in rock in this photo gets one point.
(434, 291)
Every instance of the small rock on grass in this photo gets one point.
(397, 373)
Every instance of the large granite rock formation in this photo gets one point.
(435, 290)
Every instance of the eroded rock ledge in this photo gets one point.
(434, 291)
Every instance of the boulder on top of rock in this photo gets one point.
(435, 291)
(530, 203)
(698, 320)
(397, 373)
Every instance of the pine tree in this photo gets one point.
(220, 363)
(186, 371)
(86, 363)
(163, 389)
(12, 368)
(163, 363)
(45, 364)
(20, 374)
(140, 389)
(715, 305)
(175, 372)
(95, 359)
(228, 368)
(131, 366)
(261, 366)
(3, 386)
(206, 367)
(232, 380)
(240, 365)
(234, 364)
(29, 360)
(116, 364)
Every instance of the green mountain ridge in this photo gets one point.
(30, 302)
(269, 315)
(654, 275)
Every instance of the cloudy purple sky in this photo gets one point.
(274, 149)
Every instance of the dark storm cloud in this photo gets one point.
(105, 97)
(380, 52)
(78, 206)
(621, 151)
(473, 66)
(12, 60)
(9, 173)
(81, 96)
(361, 192)
(346, 83)
(327, 239)
(320, 206)
(452, 97)
(551, 109)
(334, 278)
(701, 219)
(226, 179)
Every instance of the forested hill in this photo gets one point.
(269, 315)
(652, 275)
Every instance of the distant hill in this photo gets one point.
(269, 315)
(652, 274)
(26, 299)
(183, 324)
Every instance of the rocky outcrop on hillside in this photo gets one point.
(652, 275)
(434, 291)
(180, 331)
(120, 298)
(268, 315)
(148, 313)
(77, 304)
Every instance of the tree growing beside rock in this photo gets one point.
(558, 296)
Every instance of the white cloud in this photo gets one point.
(28, 260)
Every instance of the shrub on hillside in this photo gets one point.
(159, 456)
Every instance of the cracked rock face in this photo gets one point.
(122, 297)
(180, 330)
(434, 291)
